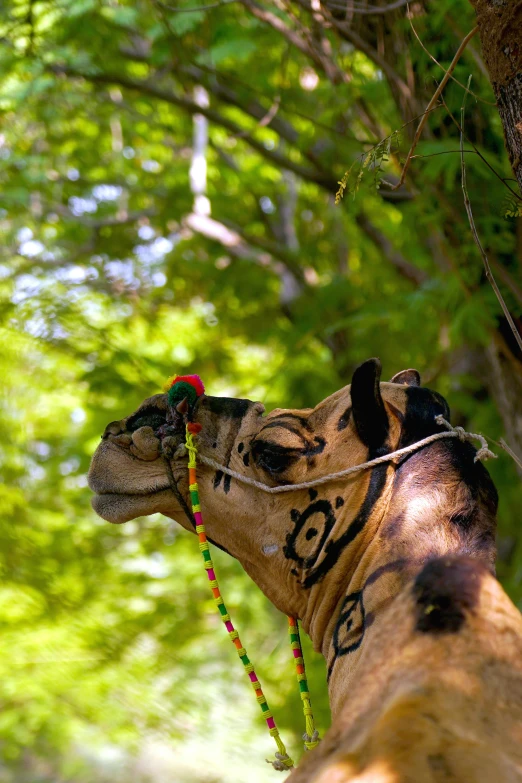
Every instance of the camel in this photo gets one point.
(389, 570)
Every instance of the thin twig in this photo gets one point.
(359, 8)
(511, 453)
(265, 120)
(504, 180)
(430, 105)
(508, 281)
(434, 154)
(432, 58)
(467, 204)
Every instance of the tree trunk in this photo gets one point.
(500, 28)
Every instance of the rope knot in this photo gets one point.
(483, 453)
(281, 763)
(311, 742)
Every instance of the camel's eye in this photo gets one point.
(151, 418)
(271, 457)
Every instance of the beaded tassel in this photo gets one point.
(311, 735)
(282, 761)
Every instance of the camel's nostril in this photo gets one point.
(151, 417)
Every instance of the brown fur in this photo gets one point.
(390, 570)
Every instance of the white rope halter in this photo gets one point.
(452, 432)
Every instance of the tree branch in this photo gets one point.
(406, 269)
(190, 107)
(228, 77)
(241, 247)
(255, 109)
(275, 249)
(121, 219)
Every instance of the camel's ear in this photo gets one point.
(369, 414)
(409, 377)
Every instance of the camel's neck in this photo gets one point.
(355, 619)
(431, 508)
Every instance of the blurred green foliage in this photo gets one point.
(111, 655)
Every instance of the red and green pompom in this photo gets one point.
(182, 387)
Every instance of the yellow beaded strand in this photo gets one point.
(282, 760)
(311, 735)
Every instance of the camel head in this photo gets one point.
(304, 547)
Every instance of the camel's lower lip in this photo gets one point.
(145, 493)
(118, 508)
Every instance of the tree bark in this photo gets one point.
(500, 29)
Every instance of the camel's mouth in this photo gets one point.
(119, 507)
(125, 486)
